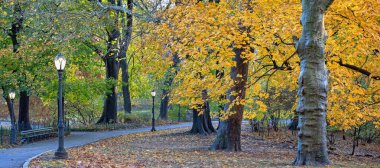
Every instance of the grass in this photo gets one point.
(136, 119)
(177, 148)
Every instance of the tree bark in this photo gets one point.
(111, 61)
(208, 117)
(125, 87)
(164, 104)
(353, 142)
(312, 85)
(23, 116)
(169, 77)
(199, 126)
(228, 135)
(125, 42)
(109, 114)
(293, 125)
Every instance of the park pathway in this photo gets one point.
(15, 157)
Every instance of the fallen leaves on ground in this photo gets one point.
(177, 148)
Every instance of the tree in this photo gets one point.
(312, 85)
(168, 81)
(127, 24)
(13, 32)
(201, 117)
(228, 136)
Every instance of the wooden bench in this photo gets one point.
(30, 135)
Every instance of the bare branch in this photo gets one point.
(115, 8)
(357, 69)
(282, 40)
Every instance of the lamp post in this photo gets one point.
(12, 96)
(60, 62)
(153, 93)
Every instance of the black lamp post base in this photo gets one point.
(153, 129)
(60, 155)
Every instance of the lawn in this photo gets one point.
(177, 148)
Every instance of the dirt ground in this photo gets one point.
(177, 148)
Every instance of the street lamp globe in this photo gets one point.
(12, 95)
(153, 93)
(60, 62)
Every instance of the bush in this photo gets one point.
(139, 117)
(369, 132)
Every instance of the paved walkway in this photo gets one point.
(15, 157)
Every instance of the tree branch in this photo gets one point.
(282, 40)
(115, 8)
(357, 69)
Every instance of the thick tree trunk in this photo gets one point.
(228, 135)
(199, 126)
(23, 116)
(312, 85)
(111, 60)
(204, 118)
(109, 114)
(202, 123)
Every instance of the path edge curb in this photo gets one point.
(27, 162)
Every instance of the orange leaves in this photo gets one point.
(204, 35)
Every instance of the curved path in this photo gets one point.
(15, 157)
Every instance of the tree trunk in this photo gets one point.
(164, 104)
(208, 117)
(111, 61)
(228, 135)
(125, 87)
(293, 125)
(109, 114)
(312, 85)
(220, 75)
(358, 136)
(125, 42)
(353, 142)
(23, 116)
(202, 123)
(199, 126)
(344, 135)
(169, 77)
